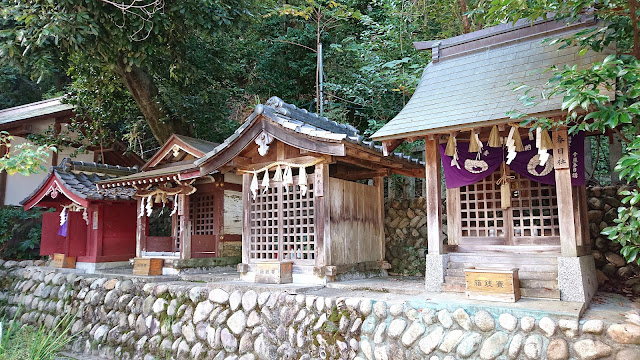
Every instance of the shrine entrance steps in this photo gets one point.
(538, 267)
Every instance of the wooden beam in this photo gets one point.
(433, 206)
(378, 182)
(3, 176)
(414, 173)
(246, 217)
(360, 175)
(564, 190)
(321, 176)
(141, 229)
(454, 219)
(389, 145)
(185, 227)
(298, 160)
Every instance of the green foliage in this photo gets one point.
(20, 232)
(26, 158)
(26, 342)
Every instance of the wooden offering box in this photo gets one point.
(274, 272)
(63, 261)
(147, 266)
(492, 284)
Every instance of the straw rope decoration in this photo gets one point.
(285, 177)
(452, 150)
(494, 137)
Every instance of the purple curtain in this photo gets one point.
(63, 228)
(454, 177)
(491, 159)
(547, 176)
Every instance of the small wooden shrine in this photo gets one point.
(97, 227)
(515, 196)
(185, 219)
(312, 193)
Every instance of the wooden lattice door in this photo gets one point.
(282, 225)
(201, 214)
(532, 218)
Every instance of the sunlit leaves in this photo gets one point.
(26, 159)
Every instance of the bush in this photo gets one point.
(20, 232)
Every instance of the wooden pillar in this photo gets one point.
(97, 227)
(141, 229)
(615, 153)
(322, 211)
(246, 217)
(432, 196)
(568, 213)
(378, 182)
(3, 176)
(185, 227)
(218, 212)
(454, 220)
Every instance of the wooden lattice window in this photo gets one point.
(201, 211)
(298, 227)
(534, 208)
(282, 225)
(264, 225)
(533, 213)
(481, 215)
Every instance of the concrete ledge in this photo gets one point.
(434, 272)
(577, 280)
(203, 262)
(90, 268)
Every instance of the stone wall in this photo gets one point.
(405, 231)
(133, 319)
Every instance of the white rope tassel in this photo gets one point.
(149, 206)
(302, 180)
(265, 182)
(63, 216)
(175, 206)
(511, 146)
(254, 186)
(277, 177)
(141, 212)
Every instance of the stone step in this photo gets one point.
(540, 293)
(481, 259)
(545, 268)
(539, 284)
(453, 288)
(523, 275)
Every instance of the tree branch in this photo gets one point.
(295, 43)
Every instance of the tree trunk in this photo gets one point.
(466, 26)
(633, 8)
(145, 93)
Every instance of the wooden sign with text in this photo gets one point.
(492, 284)
(63, 261)
(147, 266)
(274, 272)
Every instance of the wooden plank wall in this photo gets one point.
(354, 220)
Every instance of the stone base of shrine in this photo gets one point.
(91, 268)
(178, 265)
(435, 271)
(577, 278)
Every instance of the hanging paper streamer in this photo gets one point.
(175, 206)
(141, 212)
(277, 177)
(254, 186)
(149, 206)
(514, 144)
(85, 216)
(543, 144)
(287, 177)
(302, 181)
(263, 140)
(265, 182)
(63, 216)
(494, 137)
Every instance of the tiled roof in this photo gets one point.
(475, 87)
(40, 108)
(202, 145)
(303, 122)
(168, 171)
(81, 177)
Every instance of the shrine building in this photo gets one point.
(95, 227)
(185, 219)
(515, 196)
(312, 195)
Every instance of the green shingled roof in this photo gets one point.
(475, 88)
